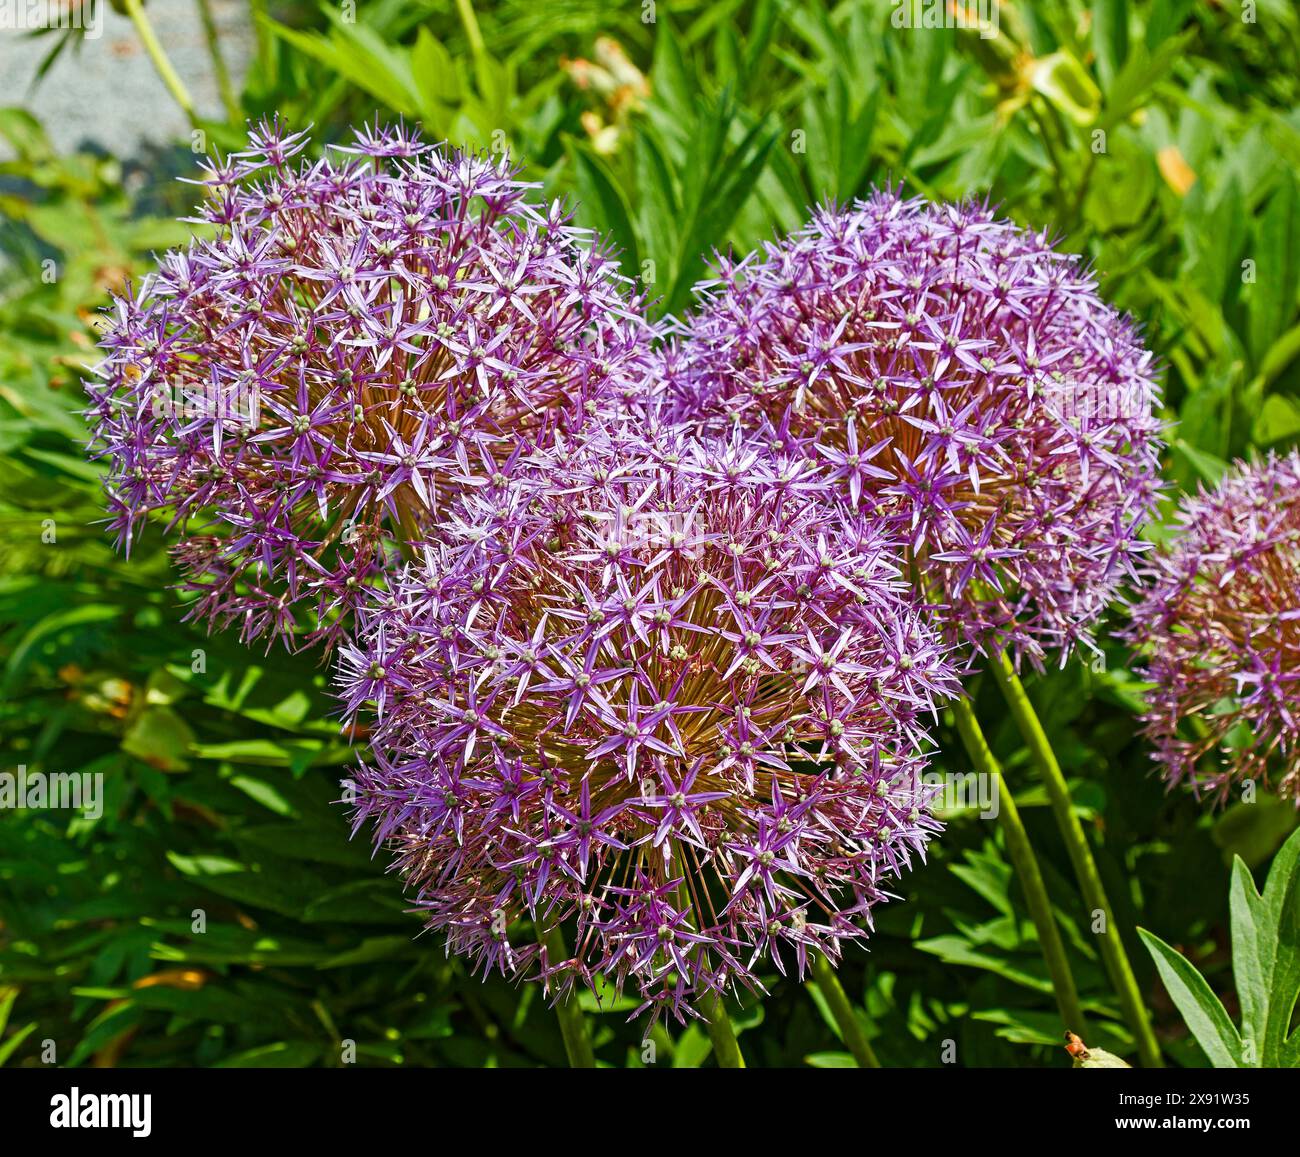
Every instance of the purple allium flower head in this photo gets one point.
(959, 375)
(652, 690)
(297, 390)
(1218, 625)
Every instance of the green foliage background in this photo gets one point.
(219, 783)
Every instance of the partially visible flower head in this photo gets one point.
(957, 374)
(1218, 626)
(652, 691)
(298, 390)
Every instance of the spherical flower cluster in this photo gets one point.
(652, 690)
(956, 374)
(298, 390)
(1219, 628)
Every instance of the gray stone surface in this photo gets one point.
(108, 93)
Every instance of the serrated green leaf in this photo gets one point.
(1266, 951)
(1201, 1009)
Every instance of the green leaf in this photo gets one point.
(281, 1055)
(831, 1060)
(161, 738)
(952, 949)
(270, 753)
(659, 210)
(9, 1047)
(668, 73)
(24, 134)
(1067, 86)
(66, 463)
(1280, 355)
(1266, 951)
(1254, 831)
(360, 58)
(434, 72)
(1278, 421)
(372, 948)
(209, 1003)
(361, 902)
(264, 793)
(1110, 37)
(602, 203)
(104, 1029)
(1248, 969)
(231, 880)
(1272, 301)
(692, 1048)
(717, 182)
(1020, 1026)
(1120, 196)
(605, 999)
(204, 865)
(1201, 1009)
(1143, 70)
(1209, 467)
(52, 624)
(759, 37)
(300, 841)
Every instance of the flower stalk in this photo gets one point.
(166, 73)
(229, 98)
(726, 1048)
(1026, 867)
(855, 1040)
(1081, 858)
(573, 1026)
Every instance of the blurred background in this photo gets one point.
(1159, 139)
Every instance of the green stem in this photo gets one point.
(135, 10)
(577, 1045)
(1081, 194)
(219, 69)
(472, 31)
(1027, 869)
(1085, 866)
(261, 31)
(726, 1049)
(838, 1002)
(1058, 170)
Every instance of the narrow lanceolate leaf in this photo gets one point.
(1201, 1009)
(9, 1047)
(604, 205)
(1266, 952)
(1272, 305)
